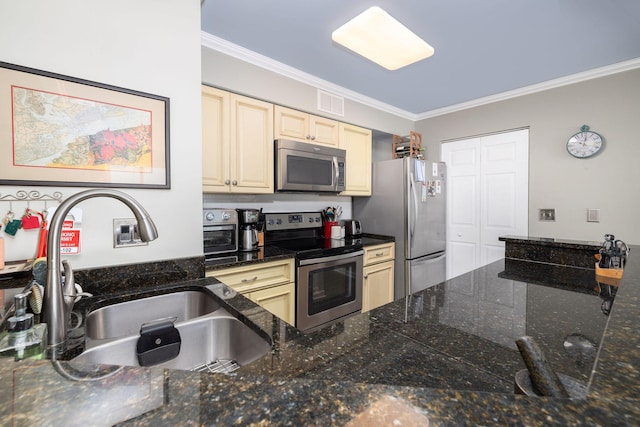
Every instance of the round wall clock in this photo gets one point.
(585, 143)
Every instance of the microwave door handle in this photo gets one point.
(336, 172)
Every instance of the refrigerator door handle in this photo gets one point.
(415, 205)
(435, 256)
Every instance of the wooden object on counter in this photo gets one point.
(615, 273)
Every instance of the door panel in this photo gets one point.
(463, 222)
(487, 197)
(426, 207)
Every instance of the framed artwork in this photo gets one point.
(58, 130)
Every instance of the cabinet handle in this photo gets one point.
(227, 182)
(313, 138)
(308, 136)
(250, 280)
(235, 182)
(366, 276)
(379, 253)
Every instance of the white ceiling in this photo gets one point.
(483, 48)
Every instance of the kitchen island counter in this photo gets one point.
(444, 354)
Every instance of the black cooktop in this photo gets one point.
(312, 247)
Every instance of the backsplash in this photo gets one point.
(280, 202)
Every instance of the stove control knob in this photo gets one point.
(310, 219)
(209, 216)
(318, 219)
(270, 222)
(278, 221)
(226, 216)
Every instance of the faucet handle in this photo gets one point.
(69, 285)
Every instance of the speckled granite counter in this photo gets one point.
(451, 363)
(574, 253)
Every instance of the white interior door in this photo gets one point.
(463, 203)
(487, 197)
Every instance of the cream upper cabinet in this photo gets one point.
(357, 142)
(215, 139)
(378, 270)
(299, 126)
(237, 143)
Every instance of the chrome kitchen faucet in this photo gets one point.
(58, 305)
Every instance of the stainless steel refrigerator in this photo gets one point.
(408, 203)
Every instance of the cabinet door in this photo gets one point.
(324, 131)
(215, 140)
(357, 142)
(291, 124)
(252, 150)
(377, 287)
(279, 300)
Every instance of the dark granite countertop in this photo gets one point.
(452, 362)
(552, 242)
(270, 253)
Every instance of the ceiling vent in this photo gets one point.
(330, 103)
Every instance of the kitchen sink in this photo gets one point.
(210, 338)
(124, 319)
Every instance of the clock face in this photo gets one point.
(584, 144)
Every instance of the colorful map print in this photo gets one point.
(54, 130)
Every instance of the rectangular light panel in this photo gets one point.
(377, 36)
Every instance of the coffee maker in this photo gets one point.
(248, 233)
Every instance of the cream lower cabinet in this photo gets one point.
(357, 142)
(377, 286)
(300, 126)
(237, 143)
(270, 285)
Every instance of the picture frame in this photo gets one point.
(58, 130)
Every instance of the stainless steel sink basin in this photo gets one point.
(210, 337)
(124, 319)
(217, 338)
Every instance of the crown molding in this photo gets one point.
(223, 46)
(539, 87)
(216, 43)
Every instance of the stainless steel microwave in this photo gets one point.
(301, 166)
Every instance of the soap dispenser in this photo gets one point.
(23, 339)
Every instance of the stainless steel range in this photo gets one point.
(328, 271)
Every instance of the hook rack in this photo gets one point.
(31, 196)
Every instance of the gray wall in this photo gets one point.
(609, 181)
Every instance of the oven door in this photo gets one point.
(328, 289)
(219, 239)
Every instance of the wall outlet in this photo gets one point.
(125, 233)
(547, 214)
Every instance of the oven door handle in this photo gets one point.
(331, 258)
(219, 227)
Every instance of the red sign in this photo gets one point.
(70, 241)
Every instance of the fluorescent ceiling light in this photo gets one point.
(377, 36)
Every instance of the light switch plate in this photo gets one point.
(593, 215)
